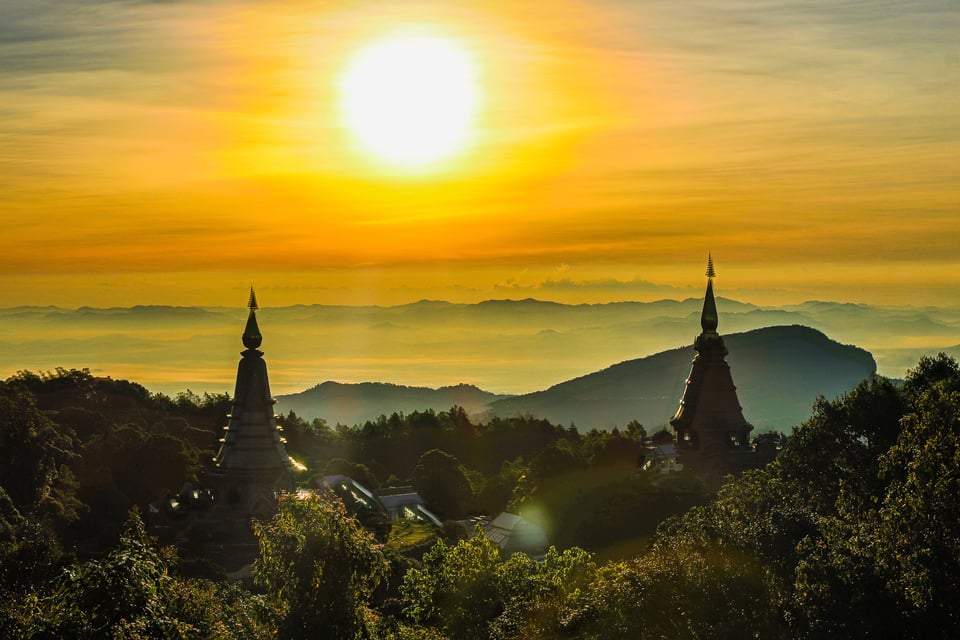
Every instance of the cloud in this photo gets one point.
(785, 132)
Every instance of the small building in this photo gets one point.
(400, 503)
(356, 497)
(662, 458)
(403, 503)
(514, 534)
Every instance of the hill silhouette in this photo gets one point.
(349, 404)
(779, 372)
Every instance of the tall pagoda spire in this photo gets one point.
(709, 319)
(252, 450)
(252, 466)
(712, 434)
(251, 334)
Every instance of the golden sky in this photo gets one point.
(176, 152)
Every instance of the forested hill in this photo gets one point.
(352, 403)
(779, 372)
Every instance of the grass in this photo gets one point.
(410, 534)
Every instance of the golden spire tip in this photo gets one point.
(711, 273)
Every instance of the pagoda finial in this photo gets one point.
(709, 317)
(251, 334)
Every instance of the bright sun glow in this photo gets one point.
(410, 100)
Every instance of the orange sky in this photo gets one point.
(176, 152)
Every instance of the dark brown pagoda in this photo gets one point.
(713, 437)
(252, 467)
(252, 448)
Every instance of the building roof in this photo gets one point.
(348, 488)
(395, 501)
(513, 534)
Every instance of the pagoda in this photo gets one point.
(713, 437)
(252, 467)
(252, 450)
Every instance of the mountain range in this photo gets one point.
(503, 346)
(779, 372)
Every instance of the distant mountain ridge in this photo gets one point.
(348, 404)
(506, 346)
(779, 372)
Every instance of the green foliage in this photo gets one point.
(854, 531)
(928, 372)
(84, 449)
(319, 567)
(444, 484)
(840, 445)
(131, 594)
(680, 592)
(301, 435)
(635, 431)
(759, 514)
(919, 518)
(32, 449)
(858, 520)
(408, 536)
(29, 551)
(470, 591)
(125, 590)
(128, 466)
(560, 456)
(355, 470)
(499, 490)
(605, 502)
(892, 562)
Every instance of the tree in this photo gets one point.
(122, 591)
(457, 589)
(32, 449)
(471, 592)
(444, 484)
(927, 373)
(681, 592)
(132, 594)
(354, 470)
(918, 522)
(857, 521)
(635, 431)
(891, 565)
(319, 567)
(840, 445)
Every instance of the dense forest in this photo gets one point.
(853, 531)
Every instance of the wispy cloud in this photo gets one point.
(170, 137)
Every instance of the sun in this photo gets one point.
(411, 100)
